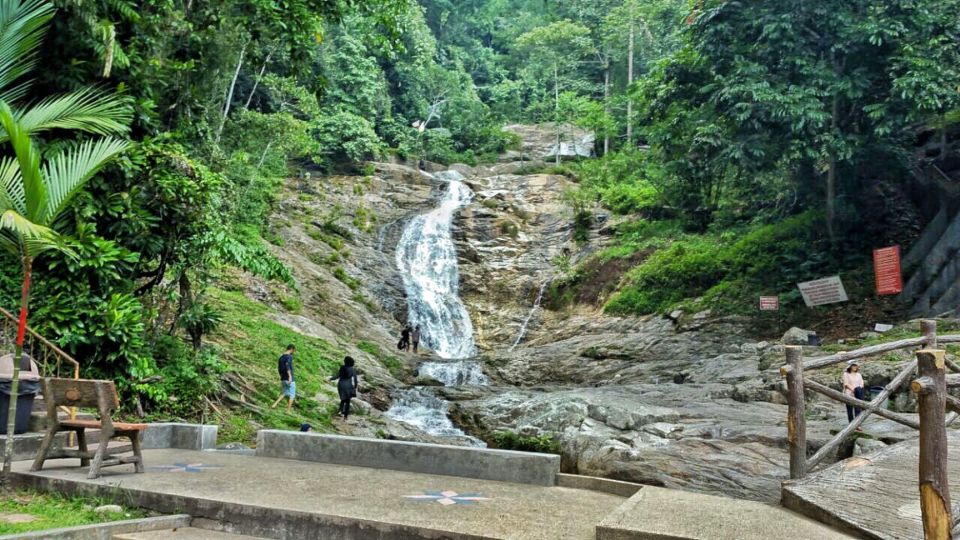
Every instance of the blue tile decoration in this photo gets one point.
(183, 467)
(449, 498)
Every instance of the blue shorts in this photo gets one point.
(289, 388)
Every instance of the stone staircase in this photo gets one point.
(933, 265)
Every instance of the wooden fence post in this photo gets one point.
(931, 390)
(929, 330)
(796, 413)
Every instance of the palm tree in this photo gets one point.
(35, 187)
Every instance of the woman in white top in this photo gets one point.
(853, 387)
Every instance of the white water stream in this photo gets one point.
(526, 322)
(427, 260)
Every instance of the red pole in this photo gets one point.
(24, 294)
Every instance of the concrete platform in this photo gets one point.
(186, 533)
(288, 499)
(667, 514)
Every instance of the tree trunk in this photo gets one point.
(556, 110)
(226, 106)
(633, 35)
(263, 156)
(832, 176)
(17, 359)
(606, 104)
(943, 140)
(256, 82)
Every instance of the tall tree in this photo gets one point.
(555, 51)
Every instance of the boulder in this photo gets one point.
(796, 336)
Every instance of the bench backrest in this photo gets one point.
(81, 393)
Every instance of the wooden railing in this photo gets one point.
(52, 361)
(934, 401)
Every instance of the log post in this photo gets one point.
(929, 330)
(796, 414)
(931, 390)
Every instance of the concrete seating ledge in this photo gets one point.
(480, 463)
(182, 436)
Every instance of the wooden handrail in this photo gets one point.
(46, 343)
(931, 390)
(797, 383)
(844, 356)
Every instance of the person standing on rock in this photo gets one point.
(404, 344)
(347, 384)
(853, 387)
(285, 367)
(415, 337)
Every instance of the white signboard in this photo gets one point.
(823, 291)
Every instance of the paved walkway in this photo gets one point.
(440, 503)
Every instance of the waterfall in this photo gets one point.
(427, 260)
(455, 373)
(420, 407)
(526, 322)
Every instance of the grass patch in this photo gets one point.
(251, 342)
(392, 363)
(349, 281)
(54, 511)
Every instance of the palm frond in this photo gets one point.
(55, 241)
(28, 158)
(11, 187)
(23, 24)
(86, 110)
(23, 228)
(9, 242)
(67, 171)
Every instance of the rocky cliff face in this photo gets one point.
(688, 402)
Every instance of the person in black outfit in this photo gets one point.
(404, 344)
(346, 385)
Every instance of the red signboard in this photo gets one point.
(769, 303)
(886, 270)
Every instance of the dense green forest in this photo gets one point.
(745, 145)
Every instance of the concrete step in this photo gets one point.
(657, 513)
(185, 533)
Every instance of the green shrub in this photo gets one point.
(728, 272)
(346, 138)
(544, 444)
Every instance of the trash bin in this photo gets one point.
(875, 391)
(26, 391)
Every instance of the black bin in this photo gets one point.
(26, 391)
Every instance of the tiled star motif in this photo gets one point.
(183, 467)
(448, 498)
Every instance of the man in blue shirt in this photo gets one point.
(285, 368)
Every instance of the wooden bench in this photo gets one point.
(80, 393)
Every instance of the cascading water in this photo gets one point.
(455, 373)
(526, 322)
(427, 260)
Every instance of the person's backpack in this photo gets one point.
(401, 344)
